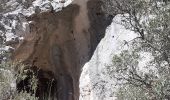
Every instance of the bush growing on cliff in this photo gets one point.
(8, 79)
(150, 19)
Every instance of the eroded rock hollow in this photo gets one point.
(60, 43)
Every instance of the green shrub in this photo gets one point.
(8, 81)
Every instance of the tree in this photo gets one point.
(150, 19)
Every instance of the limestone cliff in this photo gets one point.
(57, 44)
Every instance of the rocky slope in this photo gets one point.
(54, 39)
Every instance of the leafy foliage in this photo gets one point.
(150, 19)
(8, 81)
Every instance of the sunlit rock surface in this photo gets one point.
(95, 82)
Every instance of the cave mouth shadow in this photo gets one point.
(49, 87)
(46, 84)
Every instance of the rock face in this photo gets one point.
(96, 80)
(58, 44)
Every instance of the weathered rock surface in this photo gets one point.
(57, 44)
